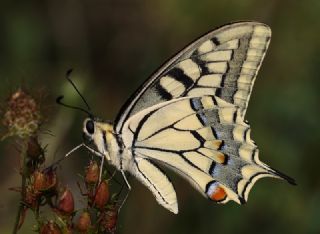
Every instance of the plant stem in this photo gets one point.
(23, 187)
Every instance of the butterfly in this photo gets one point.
(189, 116)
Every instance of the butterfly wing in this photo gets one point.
(223, 63)
(189, 116)
(158, 183)
(205, 140)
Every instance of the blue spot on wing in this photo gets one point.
(202, 118)
(196, 104)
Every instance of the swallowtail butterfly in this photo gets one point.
(190, 116)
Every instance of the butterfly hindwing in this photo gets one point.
(223, 63)
(157, 182)
(203, 139)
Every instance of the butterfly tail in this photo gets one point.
(235, 165)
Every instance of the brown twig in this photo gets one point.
(23, 189)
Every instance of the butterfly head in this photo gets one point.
(89, 129)
(97, 132)
(100, 133)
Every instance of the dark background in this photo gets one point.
(115, 45)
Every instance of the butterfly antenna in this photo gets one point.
(75, 87)
(59, 99)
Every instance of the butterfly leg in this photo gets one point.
(87, 147)
(93, 151)
(125, 179)
(71, 151)
(101, 168)
(97, 153)
(129, 189)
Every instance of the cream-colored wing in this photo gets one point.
(223, 63)
(203, 139)
(156, 181)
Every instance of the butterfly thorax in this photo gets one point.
(107, 142)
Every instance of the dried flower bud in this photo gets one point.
(39, 181)
(51, 179)
(30, 197)
(50, 228)
(22, 116)
(43, 181)
(84, 222)
(34, 150)
(92, 173)
(102, 195)
(110, 218)
(66, 202)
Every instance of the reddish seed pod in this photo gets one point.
(50, 228)
(39, 181)
(66, 202)
(110, 219)
(84, 222)
(102, 195)
(51, 179)
(92, 173)
(43, 181)
(31, 198)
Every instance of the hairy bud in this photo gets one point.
(102, 195)
(84, 222)
(66, 202)
(92, 173)
(22, 115)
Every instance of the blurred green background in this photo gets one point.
(115, 45)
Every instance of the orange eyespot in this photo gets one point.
(219, 194)
(216, 192)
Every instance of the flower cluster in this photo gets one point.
(99, 202)
(40, 188)
(22, 116)
(43, 189)
(99, 216)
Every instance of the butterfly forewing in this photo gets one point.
(223, 63)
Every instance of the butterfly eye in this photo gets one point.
(90, 126)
